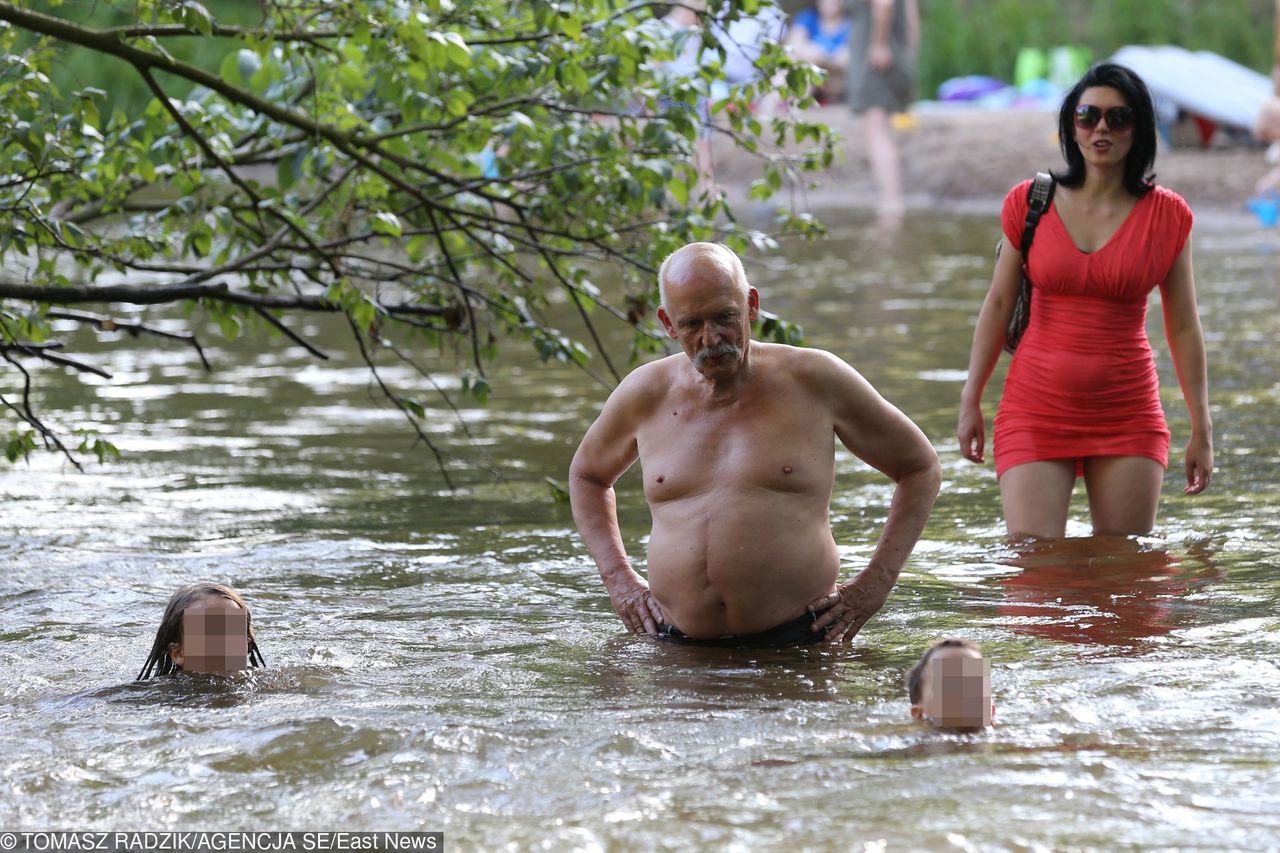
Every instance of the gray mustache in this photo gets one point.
(714, 352)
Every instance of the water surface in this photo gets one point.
(448, 660)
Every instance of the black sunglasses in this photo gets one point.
(1118, 118)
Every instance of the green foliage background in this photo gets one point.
(80, 67)
(959, 36)
(443, 174)
(984, 36)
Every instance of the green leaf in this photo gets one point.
(559, 494)
(413, 406)
(364, 314)
(456, 104)
(100, 447)
(229, 325)
(571, 25)
(19, 445)
(352, 77)
(385, 222)
(476, 386)
(195, 16)
(457, 50)
(201, 243)
(229, 69)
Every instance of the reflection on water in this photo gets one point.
(1101, 589)
(450, 662)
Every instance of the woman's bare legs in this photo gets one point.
(1124, 493)
(886, 168)
(1036, 496)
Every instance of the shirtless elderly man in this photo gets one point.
(736, 439)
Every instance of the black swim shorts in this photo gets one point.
(797, 632)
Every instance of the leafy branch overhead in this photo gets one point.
(435, 171)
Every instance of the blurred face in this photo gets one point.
(215, 637)
(1103, 126)
(955, 690)
(1267, 125)
(710, 315)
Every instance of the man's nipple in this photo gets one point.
(661, 478)
(786, 469)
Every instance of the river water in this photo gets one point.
(449, 661)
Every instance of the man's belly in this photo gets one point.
(737, 563)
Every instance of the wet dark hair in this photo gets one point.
(170, 631)
(914, 676)
(1138, 177)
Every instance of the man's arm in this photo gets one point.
(606, 452)
(882, 436)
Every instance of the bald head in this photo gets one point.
(708, 262)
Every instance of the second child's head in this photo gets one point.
(206, 628)
(950, 687)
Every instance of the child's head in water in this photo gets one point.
(950, 686)
(205, 628)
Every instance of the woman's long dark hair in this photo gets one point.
(1138, 177)
(170, 631)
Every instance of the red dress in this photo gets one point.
(1083, 381)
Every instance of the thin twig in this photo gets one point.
(387, 392)
(289, 333)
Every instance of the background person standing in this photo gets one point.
(882, 81)
(820, 35)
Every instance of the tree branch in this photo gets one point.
(289, 333)
(110, 324)
(27, 416)
(110, 43)
(217, 291)
(398, 403)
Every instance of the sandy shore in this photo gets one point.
(967, 160)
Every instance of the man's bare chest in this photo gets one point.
(691, 450)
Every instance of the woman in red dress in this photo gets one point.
(1082, 396)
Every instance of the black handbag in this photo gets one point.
(1039, 194)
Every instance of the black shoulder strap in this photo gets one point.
(1039, 195)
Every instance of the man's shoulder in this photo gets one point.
(821, 374)
(650, 379)
(801, 359)
(658, 369)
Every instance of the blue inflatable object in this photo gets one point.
(1266, 207)
(969, 88)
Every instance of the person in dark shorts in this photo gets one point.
(881, 82)
(736, 439)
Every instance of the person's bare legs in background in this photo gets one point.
(886, 165)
